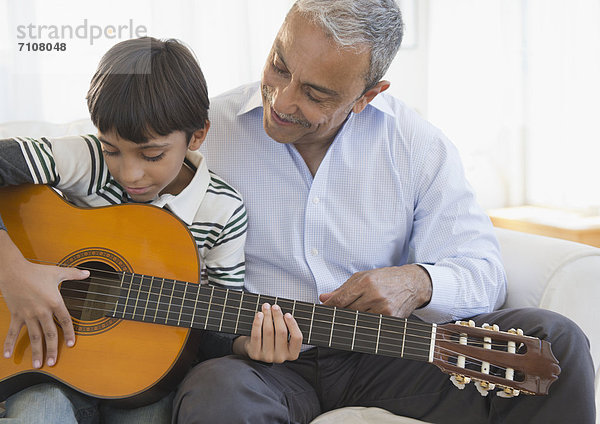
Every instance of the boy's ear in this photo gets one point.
(198, 136)
(369, 95)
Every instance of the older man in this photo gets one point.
(355, 201)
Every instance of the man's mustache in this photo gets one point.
(268, 95)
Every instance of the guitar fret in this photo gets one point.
(117, 302)
(403, 339)
(170, 302)
(212, 289)
(127, 297)
(195, 307)
(137, 298)
(354, 331)
(148, 298)
(223, 311)
(332, 325)
(162, 284)
(237, 320)
(378, 334)
(183, 299)
(312, 320)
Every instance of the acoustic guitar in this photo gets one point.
(135, 316)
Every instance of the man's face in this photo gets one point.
(308, 84)
(148, 169)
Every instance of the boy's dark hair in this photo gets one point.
(145, 88)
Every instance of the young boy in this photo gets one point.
(149, 102)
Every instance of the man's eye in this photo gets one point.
(279, 70)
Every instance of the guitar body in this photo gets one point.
(127, 361)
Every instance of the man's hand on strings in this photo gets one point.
(395, 291)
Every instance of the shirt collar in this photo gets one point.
(255, 100)
(187, 202)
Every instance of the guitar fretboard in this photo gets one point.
(182, 304)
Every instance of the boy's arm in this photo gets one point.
(31, 290)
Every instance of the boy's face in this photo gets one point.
(145, 170)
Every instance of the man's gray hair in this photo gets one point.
(360, 24)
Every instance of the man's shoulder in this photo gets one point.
(236, 97)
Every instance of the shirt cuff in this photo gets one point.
(214, 345)
(443, 283)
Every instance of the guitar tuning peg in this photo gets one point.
(490, 327)
(459, 380)
(469, 323)
(518, 331)
(483, 387)
(508, 392)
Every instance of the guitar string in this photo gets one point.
(327, 322)
(169, 280)
(351, 314)
(382, 338)
(399, 321)
(389, 348)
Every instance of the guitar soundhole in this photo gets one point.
(94, 297)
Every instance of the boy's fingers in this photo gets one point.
(36, 339)
(255, 336)
(295, 342)
(51, 338)
(14, 330)
(66, 323)
(281, 330)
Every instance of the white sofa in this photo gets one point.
(544, 272)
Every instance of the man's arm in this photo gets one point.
(452, 240)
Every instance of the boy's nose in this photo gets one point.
(131, 174)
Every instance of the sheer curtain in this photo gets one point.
(231, 39)
(515, 84)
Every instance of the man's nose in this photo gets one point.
(285, 99)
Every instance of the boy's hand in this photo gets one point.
(275, 337)
(32, 296)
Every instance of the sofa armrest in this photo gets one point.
(554, 274)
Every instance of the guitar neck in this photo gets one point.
(183, 304)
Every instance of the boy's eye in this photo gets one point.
(154, 158)
(110, 152)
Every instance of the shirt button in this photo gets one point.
(314, 252)
(316, 200)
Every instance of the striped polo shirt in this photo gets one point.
(212, 210)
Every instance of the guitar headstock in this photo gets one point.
(509, 361)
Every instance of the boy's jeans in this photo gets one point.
(53, 403)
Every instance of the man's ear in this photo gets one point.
(369, 95)
(198, 136)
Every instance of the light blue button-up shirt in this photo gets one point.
(390, 191)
